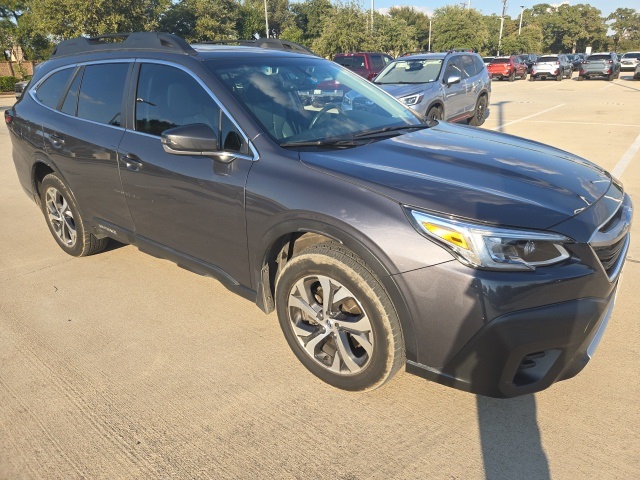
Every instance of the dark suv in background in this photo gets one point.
(479, 260)
(365, 64)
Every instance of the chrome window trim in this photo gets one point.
(254, 153)
(32, 90)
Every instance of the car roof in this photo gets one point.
(424, 56)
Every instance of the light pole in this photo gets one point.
(521, 12)
(429, 35)
(504, 10)
(372, 16)
(266, 18)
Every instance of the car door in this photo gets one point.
(189, 206)
(82, 133)
(454, 94)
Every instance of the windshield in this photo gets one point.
(599, 57)
(410, 71)
(304, 100)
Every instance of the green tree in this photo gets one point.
(310, 17)
(529, 40)
(393, 35)
(202, 20)
(416, 19)
(458, 27)
(72, 18)
(344, 31)
(625, 23)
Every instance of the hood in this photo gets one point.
(472, 173)
(404, 90)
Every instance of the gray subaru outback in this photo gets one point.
(479, 260)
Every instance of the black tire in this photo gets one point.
(435, 113)
(532, 78)
(512, 76)
(64, 220)
(479, 114)
(610, 77)
(353, 342)
(559, 76)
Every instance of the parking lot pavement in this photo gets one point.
(121, 365)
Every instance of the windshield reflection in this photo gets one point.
(306, 100)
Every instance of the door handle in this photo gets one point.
(131, 162)
(56, 141)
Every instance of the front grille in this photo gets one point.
(611, 241)
(609, 255)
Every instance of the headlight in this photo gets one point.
(412, 99)
(487, 247)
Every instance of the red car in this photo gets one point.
(365, 64)
(507, 67)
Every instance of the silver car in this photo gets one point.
(452, 86)
(556, 67)
(629, 61)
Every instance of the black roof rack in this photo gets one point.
(274, 43)
(123, 41)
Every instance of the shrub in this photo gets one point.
(8, 84)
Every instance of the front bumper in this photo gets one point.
(526, 351)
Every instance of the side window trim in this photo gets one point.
(132, 95)
(77, 66)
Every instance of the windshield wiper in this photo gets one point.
(323, 143)
(386, 131)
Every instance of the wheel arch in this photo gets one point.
(290, 237)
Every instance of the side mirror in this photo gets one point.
(193, 139)
(452, 80)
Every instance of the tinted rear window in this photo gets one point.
(101, 93)
(548, 58)
(500, 60)
(353, 61)
(599, 57)
(51, 91)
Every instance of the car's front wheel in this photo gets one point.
(338, 319)
(479, 113)
(64, 220)
(435, 113)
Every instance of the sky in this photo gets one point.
(487, 7)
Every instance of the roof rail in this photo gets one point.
(123, 41)
(274, 43)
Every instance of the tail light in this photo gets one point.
(8, 117)
(609, 61)
(557, 63)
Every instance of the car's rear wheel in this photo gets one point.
(338, 319)
(435, 113)
(64, 221)
(479, 113)
(610, 77)
(512, 76)
(559, 76)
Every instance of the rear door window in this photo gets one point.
(101, 93)
(54, 87)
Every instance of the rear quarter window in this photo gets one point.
(53, 88)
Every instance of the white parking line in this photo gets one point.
(609, 85)
(528, 117)
(590, 123)
(551, 84)
(625, 160)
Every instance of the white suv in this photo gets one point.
(629, 61)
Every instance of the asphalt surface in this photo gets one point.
(121, 365)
